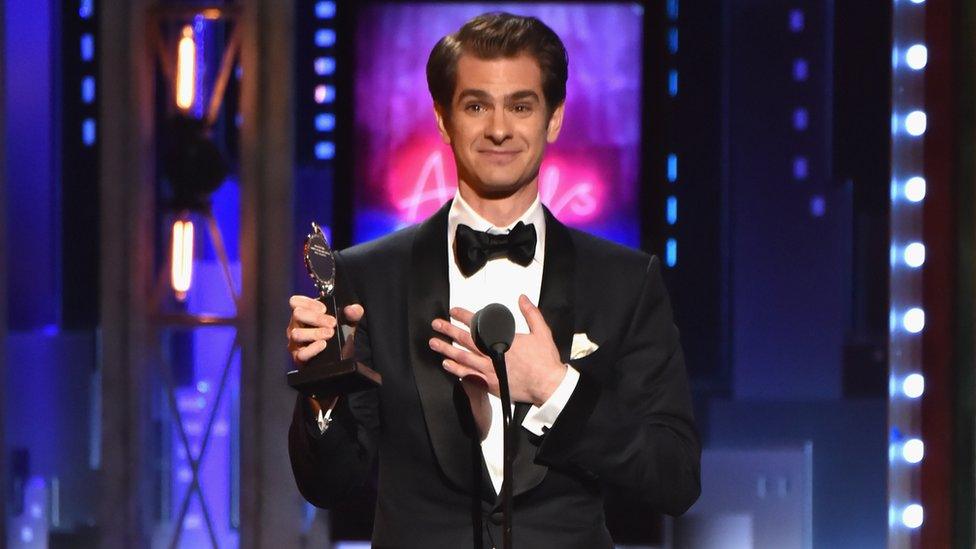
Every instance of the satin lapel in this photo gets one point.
(429, 298)
(556, 304)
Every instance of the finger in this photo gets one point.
(459, 370)
(533, 316)
(353, 313)
(462, 356)
(455, 333)
(313, 318)
(308, 335)
(310, 350)
(473, 379)
(463, 315)
(306, 302)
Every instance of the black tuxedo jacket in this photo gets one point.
(628, 423)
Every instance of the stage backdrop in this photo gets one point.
(404, 172)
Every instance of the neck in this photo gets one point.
(500, 211)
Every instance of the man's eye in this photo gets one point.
(522, 108)
(474, 107)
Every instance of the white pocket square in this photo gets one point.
(582, 346)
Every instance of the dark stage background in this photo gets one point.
(761, 148)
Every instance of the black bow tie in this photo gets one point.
(475, 248)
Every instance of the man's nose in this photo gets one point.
(499, 128)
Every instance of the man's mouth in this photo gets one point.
(498, 155)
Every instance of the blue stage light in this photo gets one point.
(325, 66)
(672, 167)
(913, 385)
(672, 210)
(914, 320)
(801, 119)
(325, 122)
(87, 47)
(324, 93)
(797, 22)
(325, 10)
(673, 82)
(88, 89)
(915, 189)
(88, 132)
(801, 70)
(325, 38)
(916, 123)
(913, 515)
(818, 206)
(914, 254)
(672, 9)
(325, 150)
(800, 168)
(86, 8)
(917, 57)
(671, 252)
(913, 450)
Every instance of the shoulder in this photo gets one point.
(605, 254)
(384, 249)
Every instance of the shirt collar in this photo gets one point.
(462, 213)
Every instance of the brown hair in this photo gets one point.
(494, 35)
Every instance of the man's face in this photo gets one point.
(498, 125)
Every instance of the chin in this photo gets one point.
(498, 188)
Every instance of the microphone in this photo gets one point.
(494, 329)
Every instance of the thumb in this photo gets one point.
(533, 316)
(353, 313)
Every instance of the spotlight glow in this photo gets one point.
(913, 516)
(186, 69)
(917, 56)
(915, 123)
(915, 254)
(181, 258)
(913, 451)
(913, 386)
(915, 189)
(914, 320)
(918, 1)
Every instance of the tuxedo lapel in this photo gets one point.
(556, 305)
(448, 417)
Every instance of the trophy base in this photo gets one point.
(334, 378)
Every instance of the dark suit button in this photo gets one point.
(496, 518)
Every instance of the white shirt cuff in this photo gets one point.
(324, 419)
(540, 418)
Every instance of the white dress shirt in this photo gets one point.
(502, 281)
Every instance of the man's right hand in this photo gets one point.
(309, 331)
(311, 327)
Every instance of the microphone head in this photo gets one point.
(493, 328)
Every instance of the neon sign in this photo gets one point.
(572, 191)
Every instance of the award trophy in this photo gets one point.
(331, 372)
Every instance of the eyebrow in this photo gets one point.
(484, 96)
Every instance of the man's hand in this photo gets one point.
(534, 367)
(311, 327)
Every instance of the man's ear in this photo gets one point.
(442, 123)
(555, 123)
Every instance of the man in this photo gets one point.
(596, 370)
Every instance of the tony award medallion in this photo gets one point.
(332, 371)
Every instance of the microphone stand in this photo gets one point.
(508, 441)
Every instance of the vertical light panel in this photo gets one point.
(324, 43)
(907, 267)
(671, 209)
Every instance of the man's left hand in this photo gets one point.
(533, 364)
